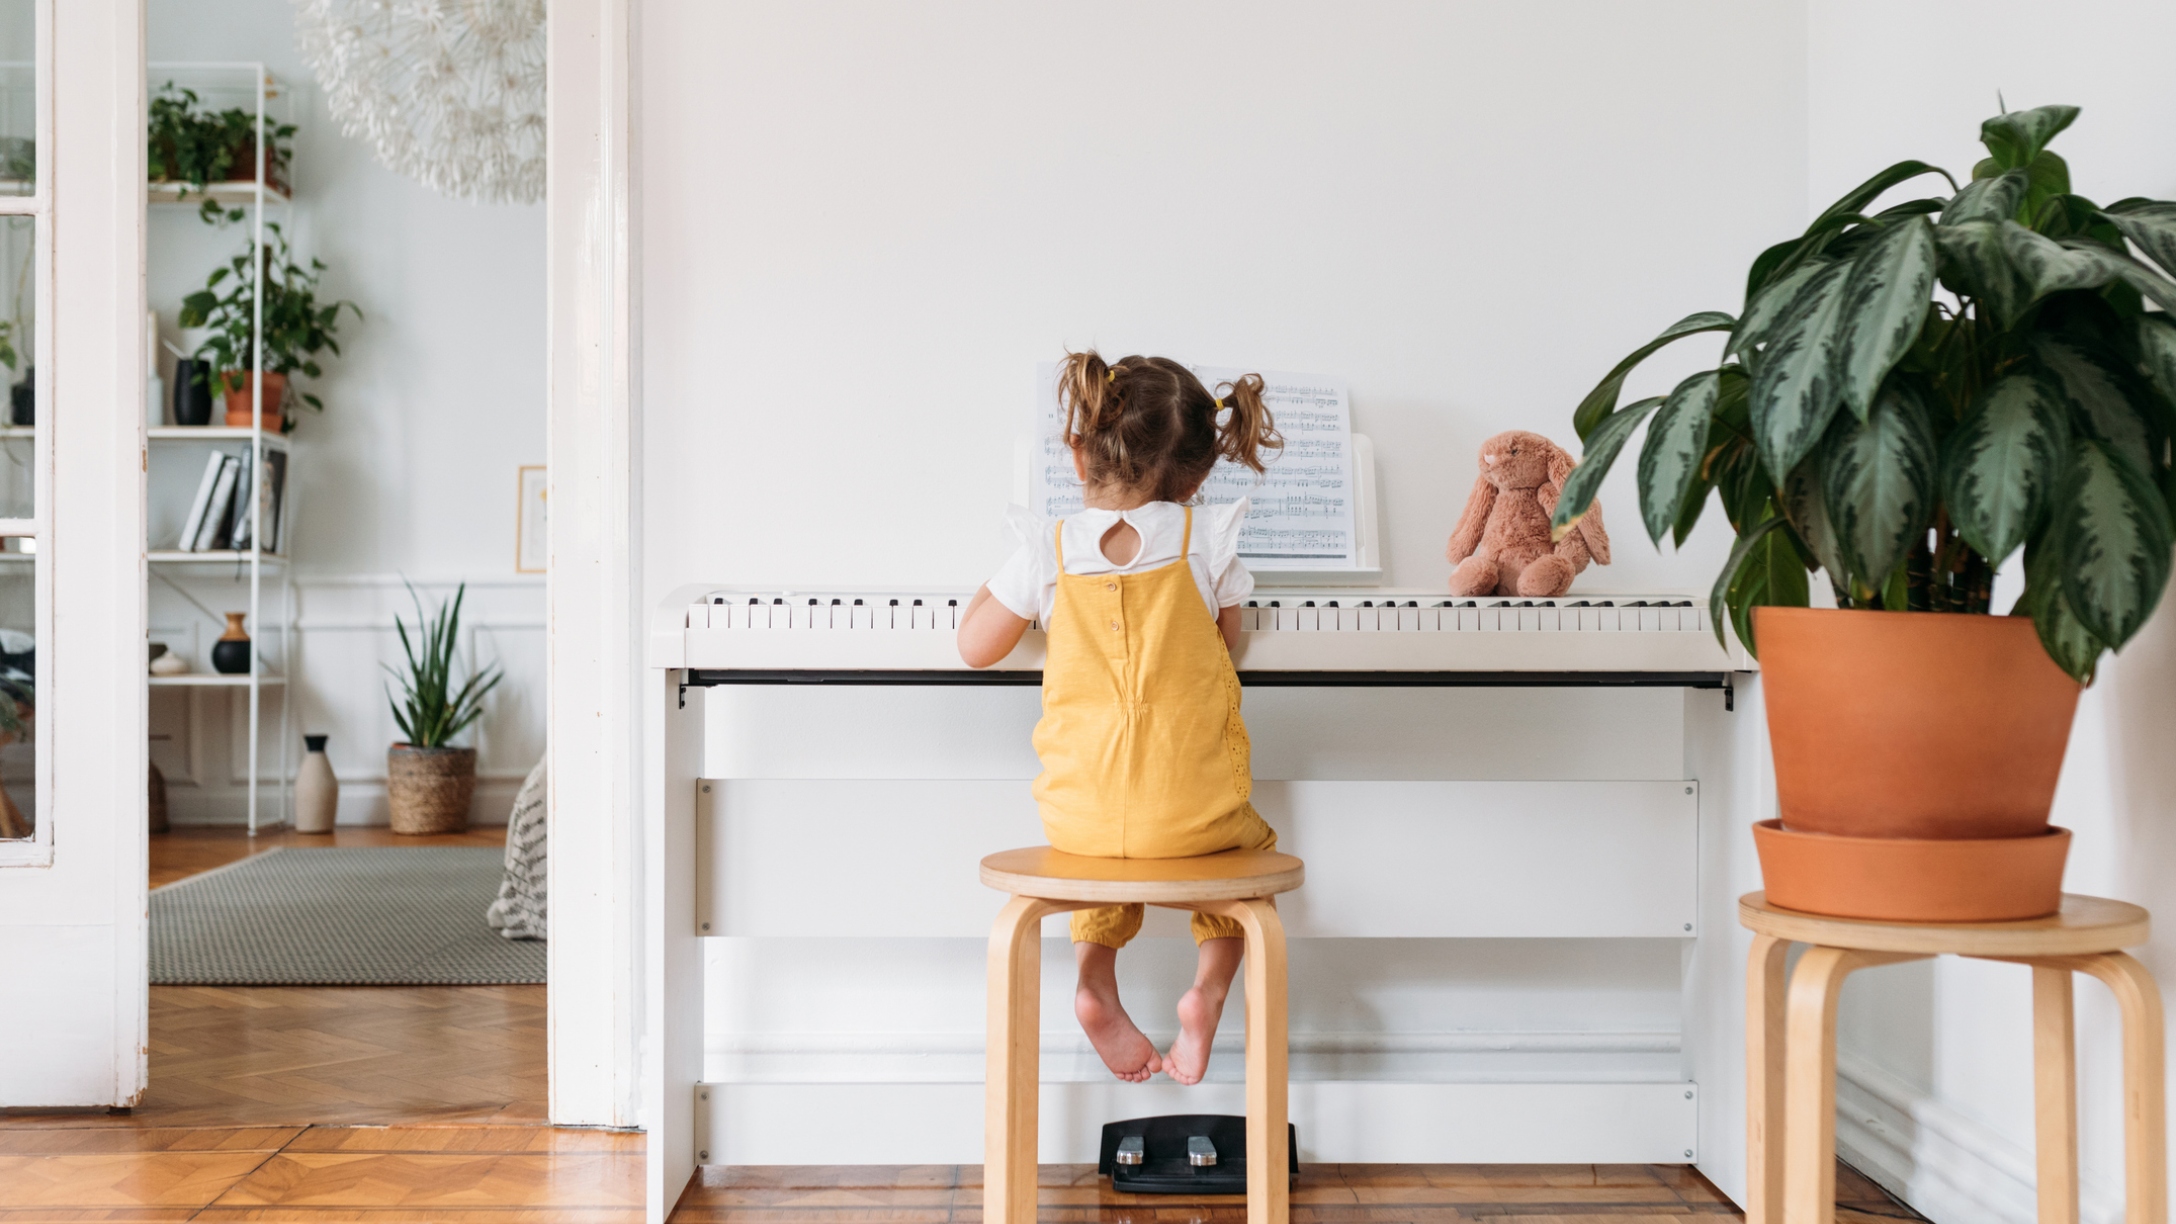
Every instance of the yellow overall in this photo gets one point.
(1143, 751)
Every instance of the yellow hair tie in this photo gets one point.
(1113, 375)
(1220, 403)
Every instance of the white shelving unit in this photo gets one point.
(222, 85)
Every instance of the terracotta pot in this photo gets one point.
(1906, 879)
(429, 788)
(1912, 724)
(235, 385)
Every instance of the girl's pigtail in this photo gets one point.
(1084, 388)
(1246, 430)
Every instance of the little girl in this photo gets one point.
(1143, 751)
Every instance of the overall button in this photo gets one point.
(1115, 626)
(1110, 586)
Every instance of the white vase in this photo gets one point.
(317, 792)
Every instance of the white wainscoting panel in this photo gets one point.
(1338, 1121)
(1385, 859)
(344, 640)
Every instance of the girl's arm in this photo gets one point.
(1227, 621)
(989, 631)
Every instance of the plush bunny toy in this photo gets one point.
(1501, 544)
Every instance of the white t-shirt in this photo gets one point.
(1028, 584)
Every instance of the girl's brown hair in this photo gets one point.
(1147, 425)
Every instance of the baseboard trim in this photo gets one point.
(1950, 1168)
(1338, 1121)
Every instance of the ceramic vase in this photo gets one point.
(230, 654)
(1916, 755)
(317, 792)
(192, 394)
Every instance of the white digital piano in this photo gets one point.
(1525, 823)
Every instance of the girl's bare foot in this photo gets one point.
(1130, 1055)
(1199, 1011)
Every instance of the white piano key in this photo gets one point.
(1549, 619)
(698, 615)
(1651, 620)
(1307, 619)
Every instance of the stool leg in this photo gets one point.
(2055, 1094)
(1809, 1092)
(1269, 1155)
(1764, 987)
(1010, 1084)
(2145, 1105)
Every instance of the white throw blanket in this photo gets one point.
(519, 911)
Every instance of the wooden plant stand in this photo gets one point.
(1790, 1046)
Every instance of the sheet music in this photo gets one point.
(1301, 515)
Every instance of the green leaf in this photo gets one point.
(1879, 481)
(2151, 224)
(2120, 265)
(2157, 351)
(1974, 265)
(2112, 540)
(2062, 635)
(1856, 200)
(1884, 306)
(2015, 138)
(1603, 399)
(1988, 199)
(2045, 266)
(1795, 391)
(1676, 442)
(1806, 506)
(2098, 402)
(1601, 451)
(2001, 464)
(1770, 308)
(1719, 601)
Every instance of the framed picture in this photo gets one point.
(532, 546)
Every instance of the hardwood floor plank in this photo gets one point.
(428, 1215)
(189, 849)
(508, 1140)
(101, 1215)
(417, 1180)
(132, 1179)
(87, 1140)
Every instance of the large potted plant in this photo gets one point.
(429, 782)
(1908, 398)
(296, 327)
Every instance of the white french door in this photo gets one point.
(73, 702)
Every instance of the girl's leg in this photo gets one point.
(1201, 1007)
(1130, 1055)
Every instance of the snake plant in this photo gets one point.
(1909, 396)
(431, 709)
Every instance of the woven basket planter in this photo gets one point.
(429, 788)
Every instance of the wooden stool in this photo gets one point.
(1238, 884)
(1790, 1046)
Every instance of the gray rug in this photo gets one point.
(384, 916)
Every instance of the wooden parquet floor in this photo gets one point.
(426, 1105)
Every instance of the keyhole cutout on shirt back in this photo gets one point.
(1121, 544)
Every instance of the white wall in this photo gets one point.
(1936, 1058)
(410, 471)
(863, 226)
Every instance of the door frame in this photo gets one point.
(594, 585)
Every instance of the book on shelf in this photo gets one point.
(212, 533)
(213, 465)
(267, 489)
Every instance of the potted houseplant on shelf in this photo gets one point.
(1908, 398)
(296, 326)
(429, 782)
(194, 148)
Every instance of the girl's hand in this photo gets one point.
(989, 631)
